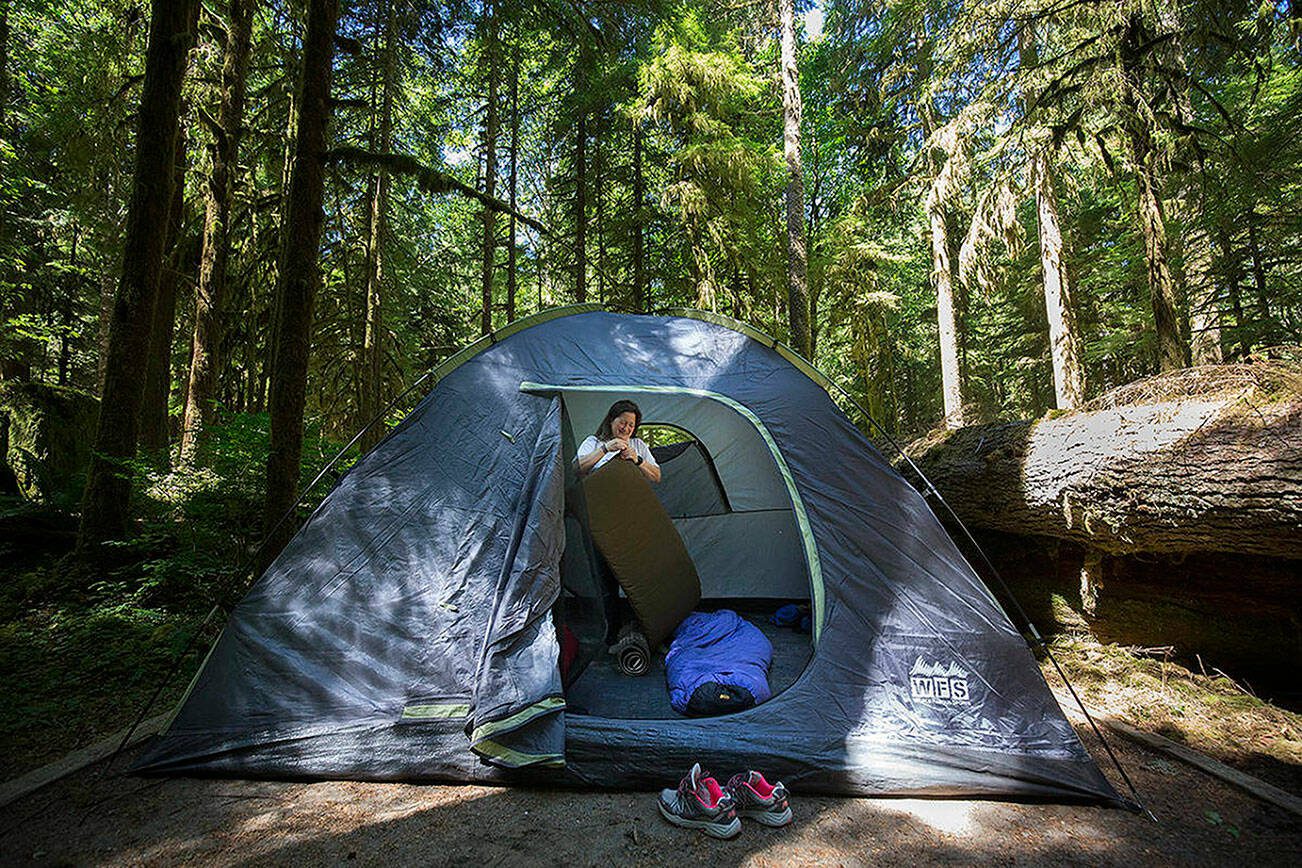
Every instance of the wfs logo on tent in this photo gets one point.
(938, 682)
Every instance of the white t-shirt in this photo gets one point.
(592, 444)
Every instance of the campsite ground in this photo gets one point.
(96, 818)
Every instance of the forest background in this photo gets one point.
(962, 211)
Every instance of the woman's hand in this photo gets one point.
(615, 445)
(627, 452)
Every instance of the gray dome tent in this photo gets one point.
(409, 631)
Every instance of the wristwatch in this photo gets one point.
(639, 461)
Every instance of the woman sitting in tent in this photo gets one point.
(615, 439)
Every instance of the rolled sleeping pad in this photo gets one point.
(643, 548)
(632, 653)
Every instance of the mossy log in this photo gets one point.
(1191, 473)
(49, 439)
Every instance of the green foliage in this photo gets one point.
(725, 169)
(76, 672)
(87, 649)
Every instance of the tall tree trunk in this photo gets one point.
(863, 348)
(12, 365)
(797, 250)
(942, 277)
(110, 240)
(1152, 225)
(108, 483)
(1232, 270)
(1161, 287)
(65, 310)
(1059, 306)
(639, 196)
(1064, 337)
(946, 319)
(286, 172)
(1191, 205)
(1204, 318)
(210, 289)
(599, 197)
(818, 278)
(299, 275)
(580, 203)
(372, 382)
(1265, 327)
(515, 177)
(154, 433)
(489, 217)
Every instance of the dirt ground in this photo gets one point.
(94, 818)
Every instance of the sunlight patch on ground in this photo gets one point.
(947, 816)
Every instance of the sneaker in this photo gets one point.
(756, 799)
(700, 803)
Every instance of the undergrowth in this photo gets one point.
(1213, 713)
(82, 650)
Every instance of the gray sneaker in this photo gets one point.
(700, 803)
(756, 799)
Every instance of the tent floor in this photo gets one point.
(602, 691)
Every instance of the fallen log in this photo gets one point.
(1202, 460)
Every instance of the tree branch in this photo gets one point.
(430, 180)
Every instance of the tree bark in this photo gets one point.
(298, 276)
(1170, 349)
(1060, 309)
(797, 249)
(1064, 337)
(219, 192)
(371, 392)
(108, 483)
(1200, 473)
(154, 433)
(489, 216)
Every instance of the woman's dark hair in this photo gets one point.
(616, 409)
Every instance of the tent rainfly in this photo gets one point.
(410, 630)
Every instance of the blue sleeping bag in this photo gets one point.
(718, 663)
